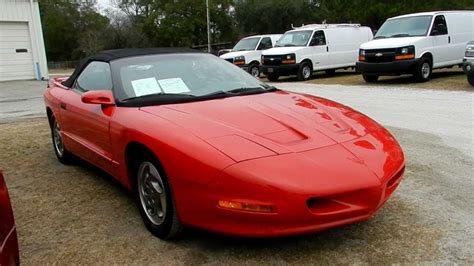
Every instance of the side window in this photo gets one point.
(318, 38)
(439, 26)
(96, 76)
(266, 43)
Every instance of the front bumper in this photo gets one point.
(310, 199)
(468, 66)
(280, 70)
(388, 68)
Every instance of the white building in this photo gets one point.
(22, 53)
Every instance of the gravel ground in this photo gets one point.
(77, 214)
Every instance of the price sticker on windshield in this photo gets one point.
(145, 86)
(173, 85)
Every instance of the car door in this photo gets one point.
(86, 126)
(319, 50)
(441, 42)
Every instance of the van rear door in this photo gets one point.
(319, 50)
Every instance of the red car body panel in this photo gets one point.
(9, 254)
(320, 163)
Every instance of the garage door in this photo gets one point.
(16, 57)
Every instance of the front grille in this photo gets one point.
(272, 60)
(380, 55)
(230, 60)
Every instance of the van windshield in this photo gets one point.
(404, 27)
(246, 44)
(294, 38)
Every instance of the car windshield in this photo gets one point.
(294, 38)
(173, 78)
(246, 44)
(404, 27)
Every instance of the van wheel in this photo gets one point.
(272, 77)
(424, 70)
(370, 78)
(305, 71)
(254, 70)
(470, 79)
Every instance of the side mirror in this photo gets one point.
(103, 97)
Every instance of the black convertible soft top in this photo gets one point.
(110, 55)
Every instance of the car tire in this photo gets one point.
(370, 78)
(155, 199)
(254, 70)
(423, 70)
(63, 155)
(272, 77)
(470, 79)
(305, 71)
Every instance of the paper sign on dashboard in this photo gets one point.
(173, 85)
(146, 86)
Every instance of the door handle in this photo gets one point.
(63, 106)
(327, 48)
(449, 39)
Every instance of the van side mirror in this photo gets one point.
(102, 97)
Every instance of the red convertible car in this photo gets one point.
(9, 254)
(206, 145)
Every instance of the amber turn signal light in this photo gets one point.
(405, 57)
(288, 61)
(239, 62)
(361, 58)
(243, 206)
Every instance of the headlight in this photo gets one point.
(470, 49)
(239, 60)
(289, 59)
(405, 53)
(361, 55)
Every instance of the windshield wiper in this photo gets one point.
(289, 45)
(238, 91)
(380, 37)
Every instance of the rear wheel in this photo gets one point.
(63, 155)
(470, 79)
(155, 199)
(254, 70)
(272, 77)
(423, 71)
(305, 71)
(370, 78)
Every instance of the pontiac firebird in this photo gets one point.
(203, 144)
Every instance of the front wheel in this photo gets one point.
(470, 79)
(155, 200)
(254, 71)
(370, 78)
(305, 71)
(272, 77)
(423, 71)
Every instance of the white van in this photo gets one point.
(248, 52)
(314, 47)
(416, 44)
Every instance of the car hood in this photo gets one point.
(254, 126)
(282, 50)
(232, 55)
(390, 43)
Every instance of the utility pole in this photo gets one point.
(208, 28)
